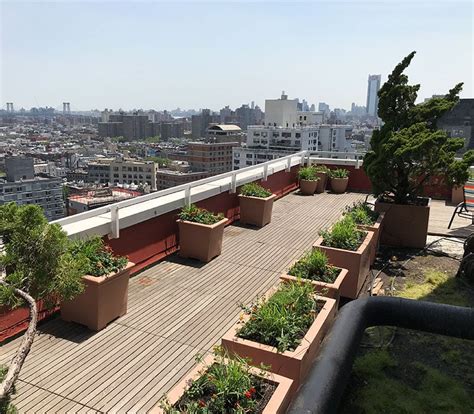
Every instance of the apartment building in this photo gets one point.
(211, 157)
(167, 178)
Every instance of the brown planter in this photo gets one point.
(308, 187)
(329, 290)
(322, 182)
(277, 404)
(404, 225)
(200, 241)
(356, 262)
(256, 211)
(339, 185)
(457, 194)
(291, 364)
(377, 228)
(103, 300)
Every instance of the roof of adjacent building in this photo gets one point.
(225, 127)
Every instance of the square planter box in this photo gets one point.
(328, 290)
(457, 194)
(404, 225)
(356, 262)
(291, 364)
(377, 228)
(104, 299)
(256, 211)
(200, 241)
(322, 182)
(277, 404)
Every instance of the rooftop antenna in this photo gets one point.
(283, 96)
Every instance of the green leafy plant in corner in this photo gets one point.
(282, 320)
(307, 173)
(343, 235)
(362, 214)
(254, 190)
(321, 169)
(339, 173)
(314, 265)
(199, 215)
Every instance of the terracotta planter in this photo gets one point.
(308, 187)
(256, 211)
(291, 364)
(356, 262)
(103, 300)
(329, 290)
(322, 182)
(200, 241)
(377, 228)
(277, 404)
(457, 194)
(339, 185)
(404, 225)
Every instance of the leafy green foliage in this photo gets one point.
(226, 386)
(162, 162)
(409, 149)
(6, 407)
(283, 320)
(339, 173)
(255, 190)
(307, 173)
(100, 259)
(38, 257)
(343, 235)
(314, 265)
(199, 215)
(321, 169)
(362, 214)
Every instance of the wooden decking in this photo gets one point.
(177, 309)
(440, 215)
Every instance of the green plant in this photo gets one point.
(339, 173)
(343, 235)
(362, 214)
(314, 265)
(282, 320)
(6, 407)
(409, 148)
(100, 259)
(254, 190)
(321, 169)
(199, 215)
(226, 386)
(307, 173)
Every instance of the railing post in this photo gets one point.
(233, 183)
(187, 196)
(302, 159)
(114, 222)
(265, 172)
(288, 165)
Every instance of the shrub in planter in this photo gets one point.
(223, 385)
(105, 297)
(314, 268)
(406, 152)
(200, 233)
(348, 247)
(308, 180)
(256, 205)
(322, 172)
(283, 331)
(339, 180)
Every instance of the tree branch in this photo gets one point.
(22, 353)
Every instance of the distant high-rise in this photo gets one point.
(372, 94)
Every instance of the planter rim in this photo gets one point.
(299, 352)
(336, 284)
(376, 225)
(283, 385)
(98, 280)
(309, 181)
(209, 226)
(378, 201)
(270, 197)
(339, 178)
(360, 249)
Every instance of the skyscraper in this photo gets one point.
(372, 97)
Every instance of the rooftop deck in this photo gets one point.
(177, 309)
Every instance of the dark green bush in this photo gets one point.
(343, 235)
(255, 190)
(199, 215)
(314, 265)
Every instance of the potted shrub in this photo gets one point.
(314, 268)
(308, 180)
(200, 233)
(256, 205)
(283, 331)
(105, 296)
(406, 152)
(339, 179)
(368, 219)
(348, 247)
(322, 172)
(222, 385)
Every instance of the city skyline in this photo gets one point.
(225, 54)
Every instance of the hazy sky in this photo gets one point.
(151, 54)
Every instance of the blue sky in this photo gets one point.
(151, 54)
